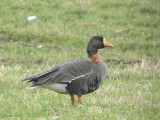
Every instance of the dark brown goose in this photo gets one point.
(76, 77)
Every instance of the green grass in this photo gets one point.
(63, 28)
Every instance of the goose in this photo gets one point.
(77, 77)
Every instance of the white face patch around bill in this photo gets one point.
(104, 39)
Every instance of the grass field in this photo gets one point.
(63, 28)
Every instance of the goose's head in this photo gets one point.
(95, 43)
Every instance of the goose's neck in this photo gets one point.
(96, 58)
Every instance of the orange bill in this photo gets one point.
(106, 44)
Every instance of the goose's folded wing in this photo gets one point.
(89, 75)
(63, 72)
(53, 70)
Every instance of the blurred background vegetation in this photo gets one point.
(131, 26)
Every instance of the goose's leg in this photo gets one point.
(80, 101)
(72, 99)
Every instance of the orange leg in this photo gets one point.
(72, 99)
(80, 100)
